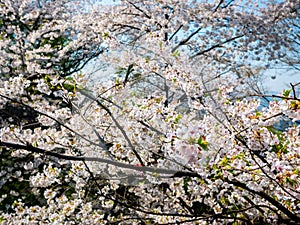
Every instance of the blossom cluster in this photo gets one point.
(173, 136)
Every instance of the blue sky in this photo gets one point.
(282, 80)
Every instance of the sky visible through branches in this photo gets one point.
(272, 80)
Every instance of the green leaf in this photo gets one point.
(178, 117)
(1, 219)
(160, 45)
(296, 171)
(202, 142)
(240, 155)
(286, 93)
(120, 70)
(34, 144)
(224, 161)
(186, 184)
(105, 35)
(295, 105)
(279, 148)
(70, 87)
(291, 182)
(176, 54)
(215, 167)
(258, 113)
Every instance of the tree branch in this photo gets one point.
(175, 32)
(219, 45)
(30, 148)
(262, 194)
(186, 40)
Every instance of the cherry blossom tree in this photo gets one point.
(176, 135)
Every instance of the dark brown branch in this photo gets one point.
(139, 9)
(175, 32)
(186, 40)
(31, 148)
(218, 6)
(275, 96)
(294, 91)
(219, 45)
(125, 26)
(262, 194)
(151, 128)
